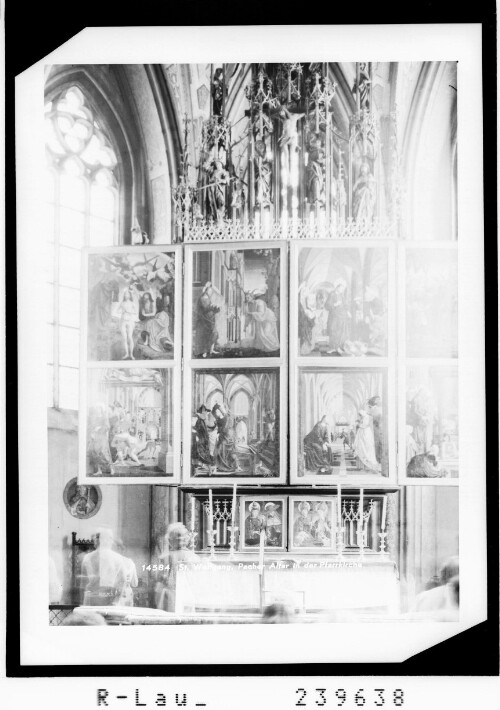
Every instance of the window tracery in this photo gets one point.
(82, 191)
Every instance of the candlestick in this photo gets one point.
(233, 506)
(360, 531)
(192, 513)
(261, 551)
(211, 516)
(382, 536)
(232, 542)
(384, 513)
(339, 506)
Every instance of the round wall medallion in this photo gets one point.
(81, 501)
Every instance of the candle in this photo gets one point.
(384, 513)
(261, 550)
(192, 513)
(339, 506)
(233, 506)
(361, 519)
(211, 519)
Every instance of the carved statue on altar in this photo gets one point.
(316, 176)
(289, 138)
(218, 91)
(364, 196)
(238, 192)
(263, 175)
(362, 85)
(217, 179)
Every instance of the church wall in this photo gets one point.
(124, 509)
(431, 535)
(158, 179)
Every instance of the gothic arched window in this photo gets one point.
(82, 191)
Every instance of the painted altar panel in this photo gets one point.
(263, 513)
(235, 425)
(127, 432)
(343, 301)
(130, 309)
(431, 296)
(235, 301)
(235, 363)
(430, 427)
(312, 524)
(131, 347)
(343, 426)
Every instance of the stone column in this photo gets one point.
(164, 510)
(165, 457)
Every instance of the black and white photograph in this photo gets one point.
(262, 354)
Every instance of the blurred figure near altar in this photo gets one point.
(176, 552)
(109, 575)
(442, 602)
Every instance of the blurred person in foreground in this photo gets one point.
(277, 613)
(109, 575)
(177, 540)
(442, 602)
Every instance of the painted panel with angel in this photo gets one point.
(343, 301)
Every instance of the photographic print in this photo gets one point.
(235, 423)
(261, 513)
(130, 423)
(131, 305)
(431, 302)
(342, 301)
(432, 435)
(342, 422)
(236, 303)
(224, 178)
(312, 523)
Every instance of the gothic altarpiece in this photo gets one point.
(285, 219)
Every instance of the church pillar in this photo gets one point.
(431, 523)
(164, 510)
(165, 457)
